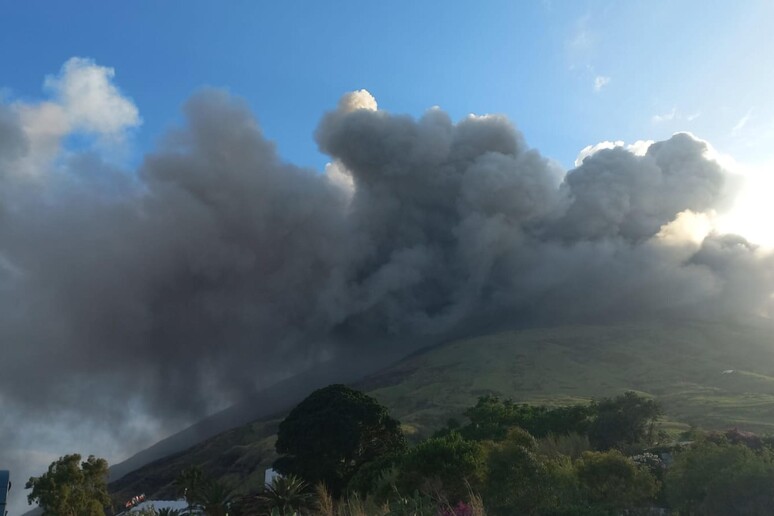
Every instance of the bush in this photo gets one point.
(721, 478)
(613, 482)
(446, 467)
(568, 445)
(520, 482)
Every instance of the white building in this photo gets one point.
(269, 475)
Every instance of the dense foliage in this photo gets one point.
(492, 417)
(202, 492)
(506, 459)
(332, 433)
(595, 459)
(717, 476)
(448, 466)
(623, 421)
(71, 487)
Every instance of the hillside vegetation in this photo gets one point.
(684, 366)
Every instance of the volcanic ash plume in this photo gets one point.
(217, 268)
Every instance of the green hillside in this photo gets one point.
(681, 365)
(684, 366)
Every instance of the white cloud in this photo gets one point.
(582, 38)
(580, 45)
(666, 117)
(600, 81)
(83, 100)
(693, 116)
(638, 148)
(593, 149)
(674, 115)
(741, 123)
(90, 100)
(360, 99)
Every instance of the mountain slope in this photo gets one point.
(275, 399)
(684, 365)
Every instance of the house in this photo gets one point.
(269, 475)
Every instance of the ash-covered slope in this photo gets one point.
(271, 401)
(683, 364)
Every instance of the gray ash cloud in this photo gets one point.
(217, 267)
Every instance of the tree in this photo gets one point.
(492, 417)
(446, 467)
(203, 492)
(190, 482)
(287, 495)
(624, 420)
(614, 482)
(71, 487)
(521, 482)
(375, 478)
(332, 433)
(214, 497)
(721, 478)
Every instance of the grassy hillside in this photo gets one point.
(682, 365)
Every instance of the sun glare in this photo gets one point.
(753, 210)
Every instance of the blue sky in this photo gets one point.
(660, 67)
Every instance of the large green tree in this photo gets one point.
(332, 433)
(623, 421)
(71, 487)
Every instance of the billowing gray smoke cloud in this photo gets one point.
(618, 194)
(464, 221)
(217, 268)
(214, 257)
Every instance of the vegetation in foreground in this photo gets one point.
(71, 487)
(343, 455)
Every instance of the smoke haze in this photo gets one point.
(217, 268)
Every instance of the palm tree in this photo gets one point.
(166, 511)
(287, 495)
(215, 498)
(190, 482)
